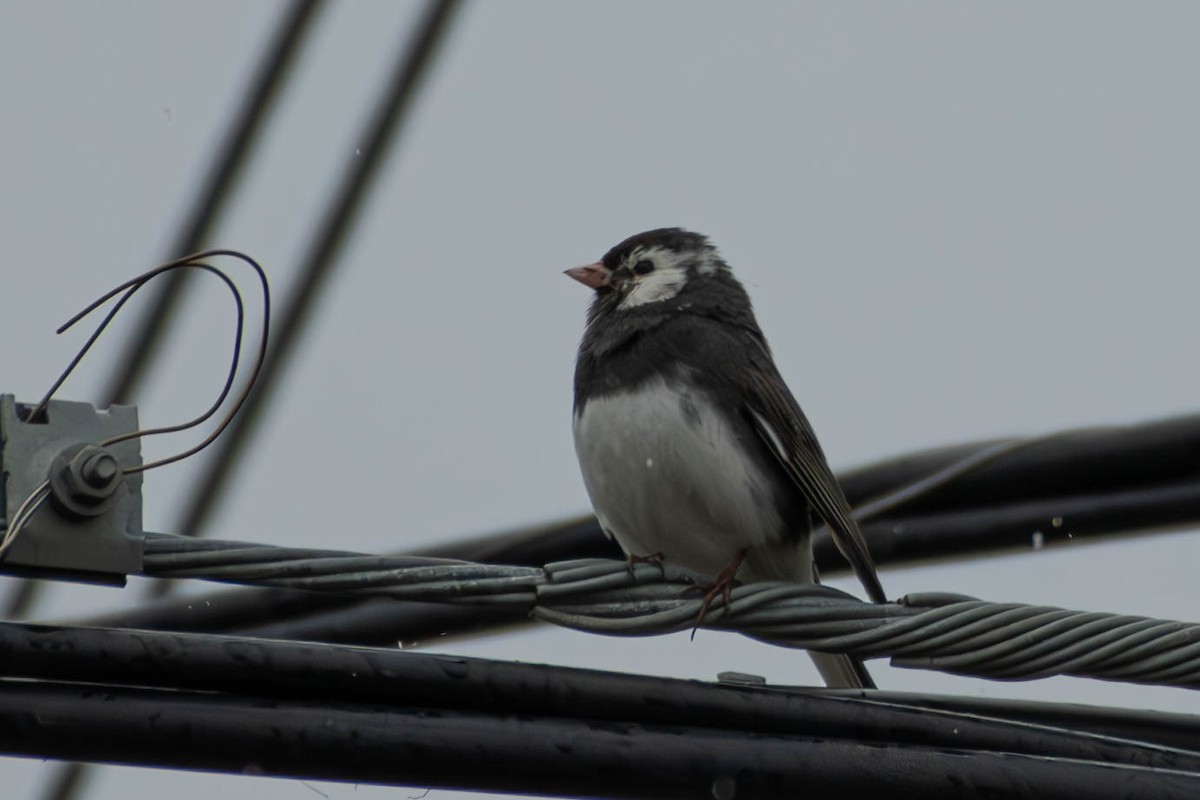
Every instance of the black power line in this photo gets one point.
(401, 88)
(368, 715)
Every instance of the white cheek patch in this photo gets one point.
(669, 277)
(662, 284)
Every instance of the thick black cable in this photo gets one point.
(1084, 461)
(408, 75)
(320, 673)
(524, 753)
(368, 715)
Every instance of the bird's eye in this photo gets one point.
(644, 266)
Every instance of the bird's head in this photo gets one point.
(650, 267)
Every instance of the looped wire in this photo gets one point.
(127, 290)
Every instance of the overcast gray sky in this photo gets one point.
(956, 220)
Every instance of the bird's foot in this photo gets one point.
(723, 585)
(656, 559)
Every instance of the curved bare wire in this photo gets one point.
(129, 288)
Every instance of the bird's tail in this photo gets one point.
(841, 671)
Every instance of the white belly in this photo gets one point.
(666, 474)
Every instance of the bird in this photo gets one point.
(693, 451)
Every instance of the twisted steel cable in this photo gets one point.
(945, 632)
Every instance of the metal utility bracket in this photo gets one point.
(81, 532)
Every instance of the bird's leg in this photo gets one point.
(656, 559)
(723, 585)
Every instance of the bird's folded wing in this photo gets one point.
(780, 423)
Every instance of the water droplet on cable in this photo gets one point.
(724, 788)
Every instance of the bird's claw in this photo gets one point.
(724, 585)
(656, 559)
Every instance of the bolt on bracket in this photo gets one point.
(91, 528)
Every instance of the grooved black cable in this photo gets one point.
(317, 672)
(401, 89)
(387, 716)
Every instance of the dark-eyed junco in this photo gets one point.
(692, 448)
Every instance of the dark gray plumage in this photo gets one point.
(690, 444)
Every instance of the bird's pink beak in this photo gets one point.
(594, 276)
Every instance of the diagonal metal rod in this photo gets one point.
(401, 90)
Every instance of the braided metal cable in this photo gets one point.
(945, 632)
(400, 577)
